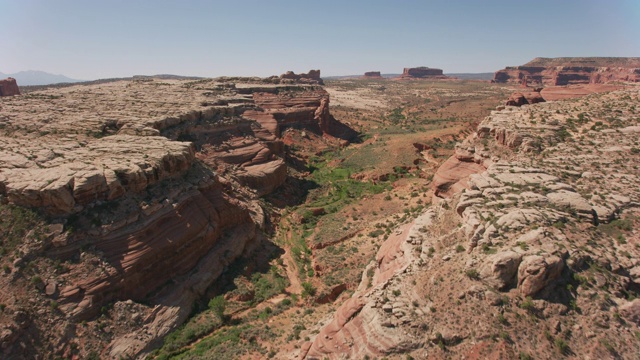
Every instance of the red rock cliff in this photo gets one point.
(570, 71)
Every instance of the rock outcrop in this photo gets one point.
(9, 87)
(422, 72)
(312, 77)
(529, 233)
(571, 71)
(525, 98)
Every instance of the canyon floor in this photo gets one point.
(238, 219)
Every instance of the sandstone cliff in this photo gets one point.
(568, 71)
(531, 248)
(150, 189)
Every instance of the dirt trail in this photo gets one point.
(295, 286)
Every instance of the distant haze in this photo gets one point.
(107, 39)
(32, 77)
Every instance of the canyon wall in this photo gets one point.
(571, 71)
(151, 190)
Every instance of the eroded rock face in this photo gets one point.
(569, 71)
(451, 177)
(153, 189)
(9, 87)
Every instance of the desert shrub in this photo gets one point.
(473, 274)
(217, 305)
(308, 289)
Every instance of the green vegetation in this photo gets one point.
(15, 223)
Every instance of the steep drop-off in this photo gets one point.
(571, 71)
(150, 189)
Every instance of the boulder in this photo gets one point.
(500, 269)
(536, 272)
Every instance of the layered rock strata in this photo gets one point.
(571, 71)
(526, 234)
(151, 187)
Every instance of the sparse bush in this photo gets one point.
(473, 274)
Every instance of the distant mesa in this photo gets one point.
(422, 72)
(9, 87)
(372, 75)
(312, 77)
(571, 71)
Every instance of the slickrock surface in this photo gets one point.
(532, 249)
(150, 189)
(568, 71)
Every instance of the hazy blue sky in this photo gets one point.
(98, 38)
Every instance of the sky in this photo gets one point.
(91, 39)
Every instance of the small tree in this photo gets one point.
(218, 305)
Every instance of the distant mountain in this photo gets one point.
(32, 77)
(472, 76)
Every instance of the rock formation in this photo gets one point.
(312, 77)
(571, 71)
(372, 75)
(151, 188)
(522, 229)
(524, 98)
(421, 73)
(9, 87)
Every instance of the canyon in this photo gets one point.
(519, 230)
(244, 218)
(149, 189)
